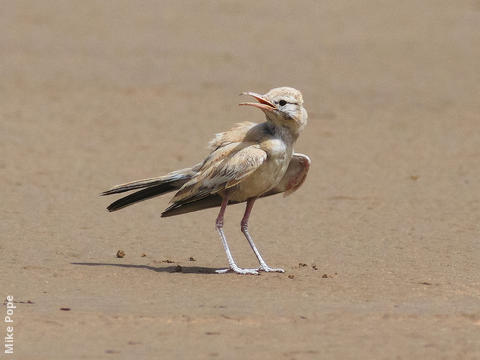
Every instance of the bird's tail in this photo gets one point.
(150, 188)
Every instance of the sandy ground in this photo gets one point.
(381, 244)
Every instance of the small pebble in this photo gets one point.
(112, 352)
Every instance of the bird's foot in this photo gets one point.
(267, 268)
(238, 270)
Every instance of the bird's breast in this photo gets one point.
(268, 174)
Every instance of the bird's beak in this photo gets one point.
(262, 104)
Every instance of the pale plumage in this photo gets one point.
(247, 162)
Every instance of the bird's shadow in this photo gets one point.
(167, 269)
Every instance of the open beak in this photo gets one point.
(262, 104)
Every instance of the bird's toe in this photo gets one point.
(269, 269)
(238, 270)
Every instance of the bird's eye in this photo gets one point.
(282, 102)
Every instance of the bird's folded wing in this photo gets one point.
(294, 176)
(291, 181)
(228, 170)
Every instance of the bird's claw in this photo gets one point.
(241, 271)
(238, 270)
(267, 268)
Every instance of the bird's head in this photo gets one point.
(283, 106)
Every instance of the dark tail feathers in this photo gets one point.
(142, 195)
(153, 187)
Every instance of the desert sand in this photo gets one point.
(381, 245)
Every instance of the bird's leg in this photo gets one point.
(231, 262)
(244, 227)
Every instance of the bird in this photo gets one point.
(248, 162)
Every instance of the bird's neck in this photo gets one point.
(285, 133)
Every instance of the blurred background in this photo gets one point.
(94, 94)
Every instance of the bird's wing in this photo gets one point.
(232, 164)
(294, 176)
(291, 181)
